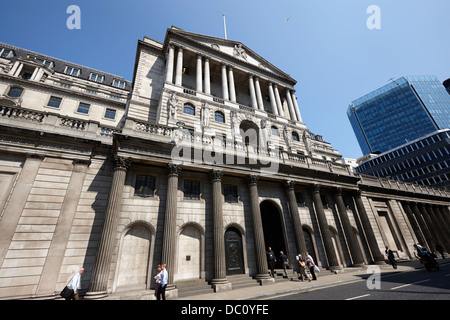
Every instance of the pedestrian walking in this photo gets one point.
(271, 259)
(302, 268)
(162, 287)
(311, 265)
(285, 261)
(158, 280)
(75, 285)
(391, 257)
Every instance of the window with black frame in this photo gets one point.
(191, 190)
(144, 186)
(230, 192)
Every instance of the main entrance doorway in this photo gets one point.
(233, 252)
(273, 229)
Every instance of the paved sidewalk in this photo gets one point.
(324, 278)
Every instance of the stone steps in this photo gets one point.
(193, 287)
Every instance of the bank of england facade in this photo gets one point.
(201, 162)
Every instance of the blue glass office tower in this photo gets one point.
(401, 111)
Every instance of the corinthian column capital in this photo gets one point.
(216, 175)
(173, 169)
(121, 163)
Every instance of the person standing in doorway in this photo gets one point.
(271, 260)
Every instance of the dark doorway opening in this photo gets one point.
(273, 229)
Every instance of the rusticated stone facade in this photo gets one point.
(206, 163)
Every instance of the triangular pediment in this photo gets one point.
(234, 49)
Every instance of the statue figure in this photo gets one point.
(239, 52)
(205, 115)
(287, 139)
(172, 108)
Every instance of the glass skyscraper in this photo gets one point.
(403, 110)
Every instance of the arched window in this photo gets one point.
(189, 109)
(275, 131)
(219, 117)
(295, 136)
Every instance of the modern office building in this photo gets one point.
(201, 162)
(424, 161)
(401, 111)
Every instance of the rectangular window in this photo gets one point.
(118, 84)
(299, 198)
(230, 193)
(54, 102)
(96, 77)
(110, 114)
(72, 71)
(84, 108)
(145, 186)
(4, 53)
(191, 190)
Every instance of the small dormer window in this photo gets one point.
(46, 62)
(72, 71)
(4, 53)
(118, 84)
(96, 77)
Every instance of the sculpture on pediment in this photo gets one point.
(239, 52)
(172, 108)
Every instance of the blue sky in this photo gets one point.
(325, 44)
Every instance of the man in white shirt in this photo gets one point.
(162, 287)
(75, 284)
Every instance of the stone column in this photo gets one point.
(199, 74)
(207, 77)
(439, 224)
(262, 275)
(445, 217)
(224, 83)
(298, 228)
(258, 94)
(16, 204)
(99, 280)
(169, 64)
(291, 105)
(377, 256)
(296, 108)
(219, 282)
(231, 86)
(414, 224)
(179, 70)
(431, 227)
(278, 100)
(352, 241)
(251, 86)
(333, 263)
(423, 226)
(273, 102)
(170, 224)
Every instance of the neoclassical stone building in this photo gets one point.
(201, 162)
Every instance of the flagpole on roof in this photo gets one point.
(225, 26)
